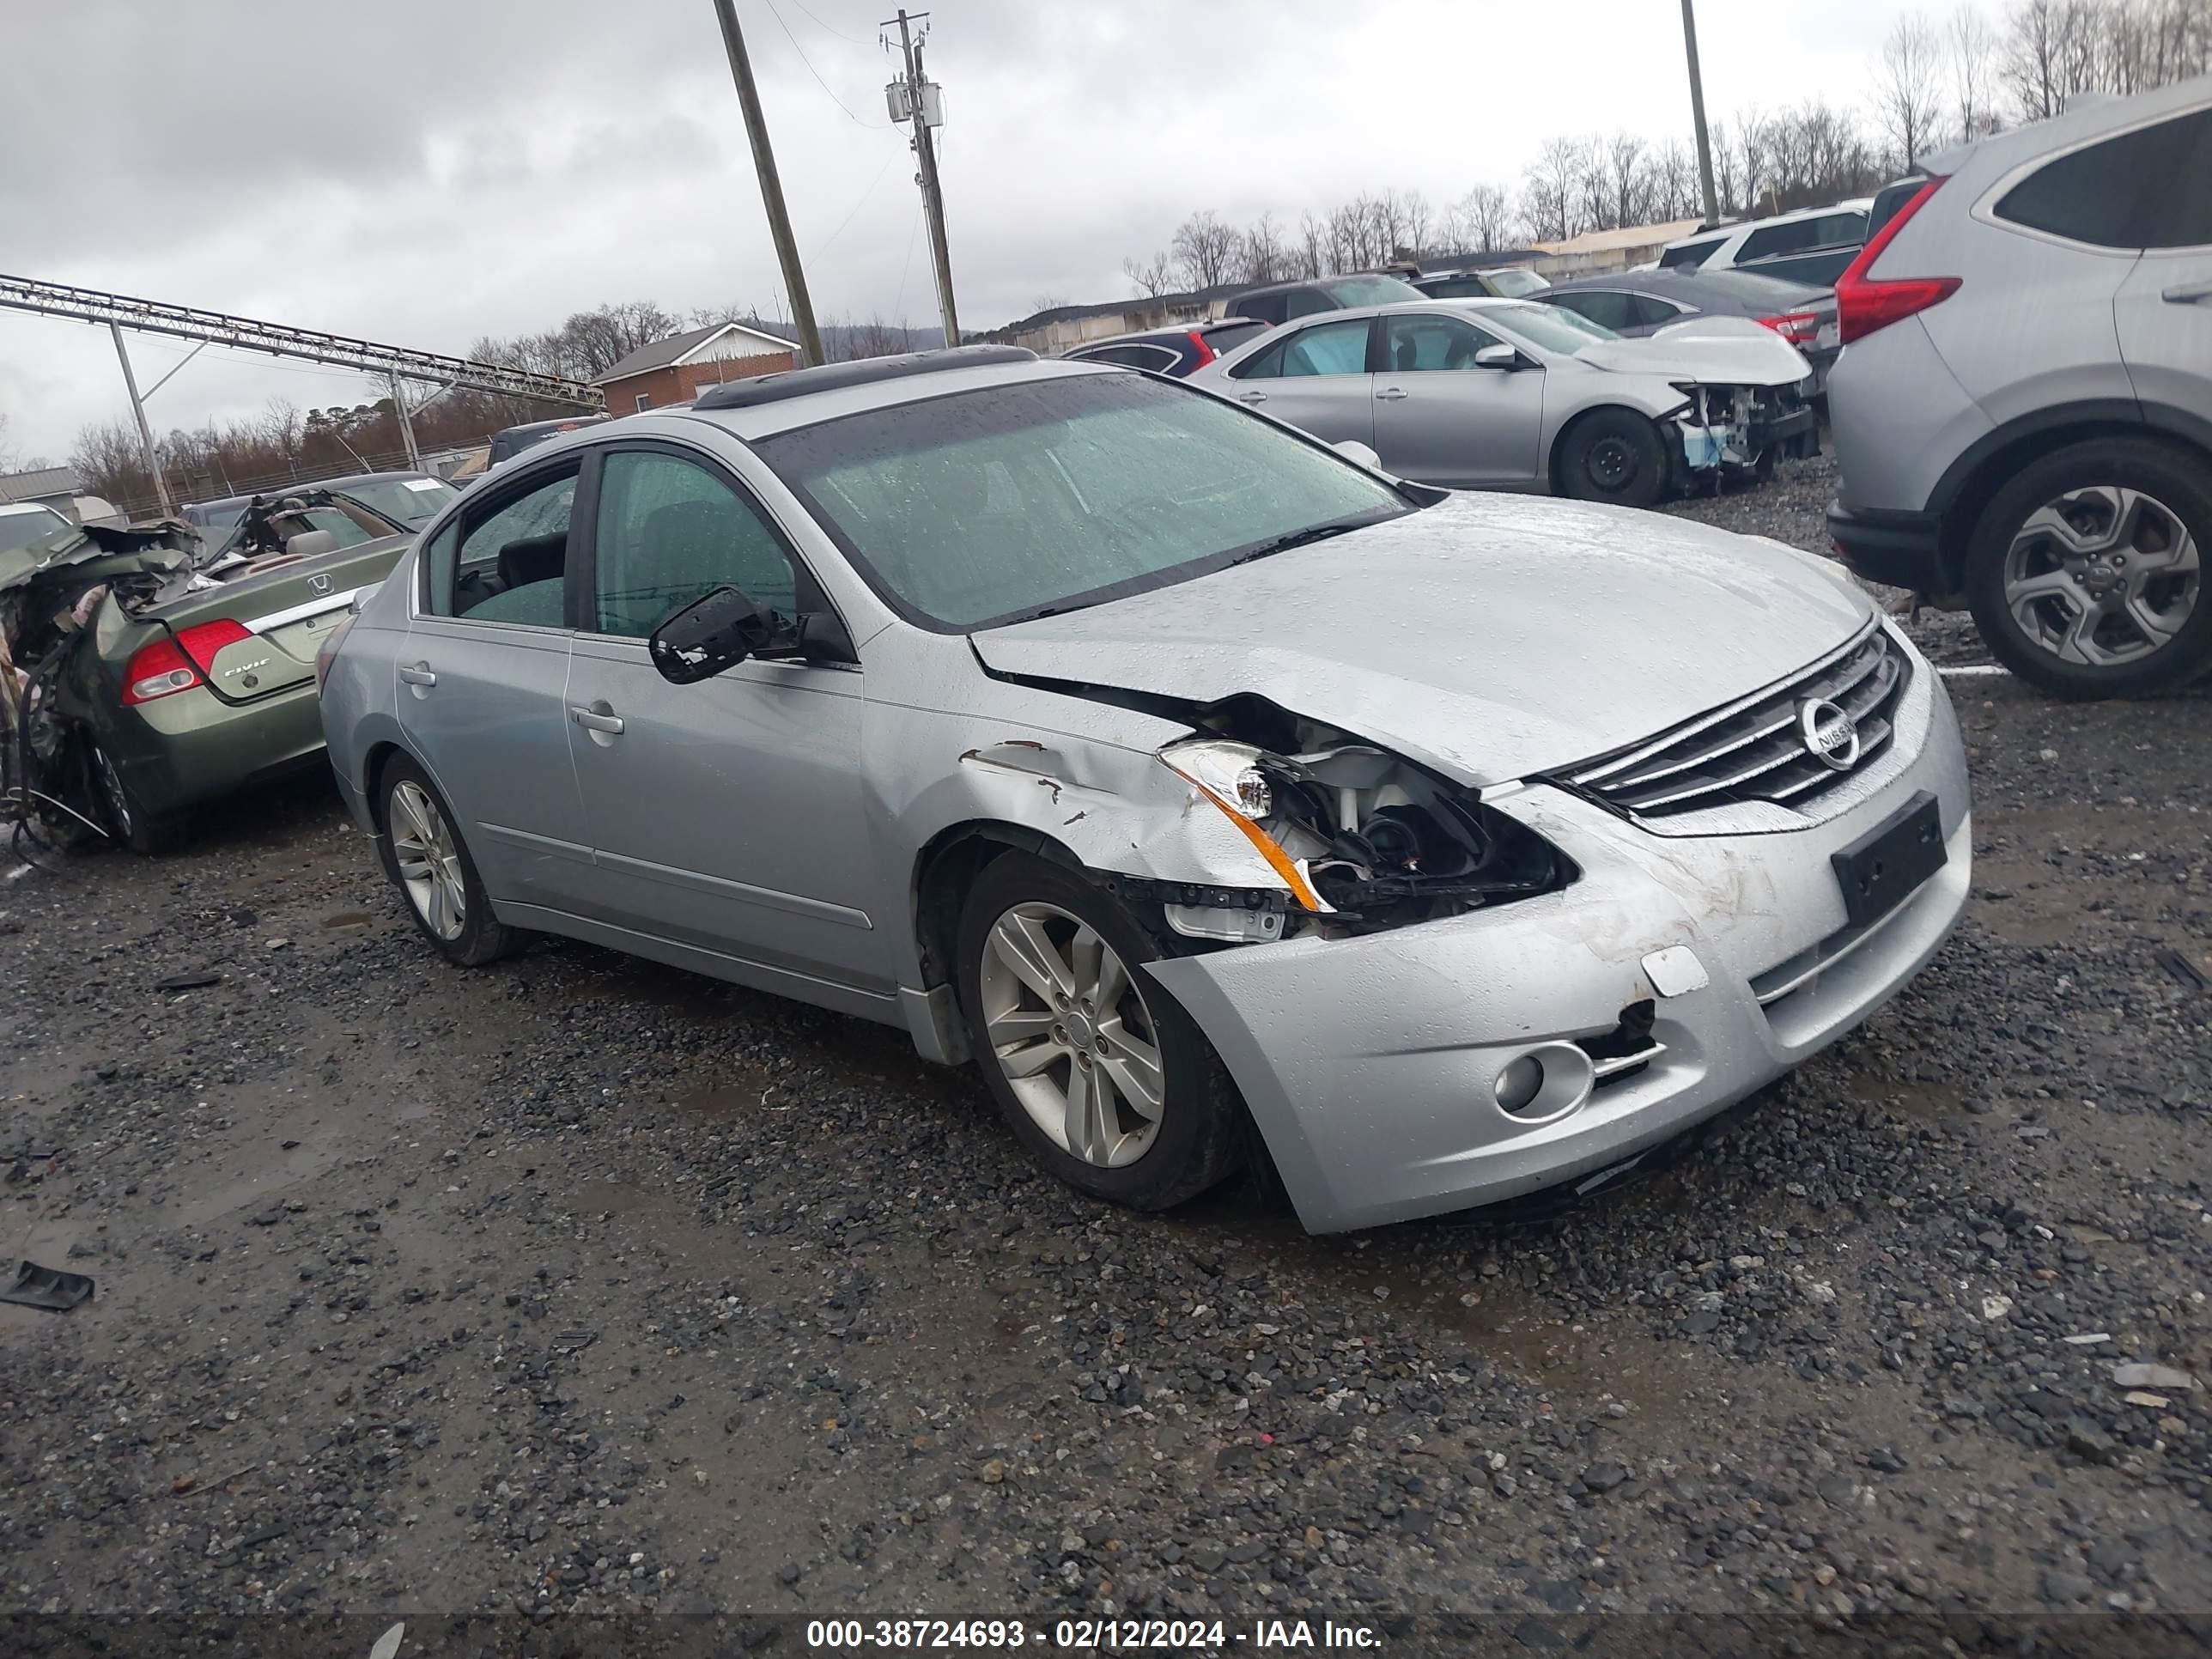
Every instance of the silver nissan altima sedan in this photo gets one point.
(1220, 798)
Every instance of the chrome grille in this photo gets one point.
(1753, 748)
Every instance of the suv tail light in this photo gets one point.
(1207, 353)
(177, 663)
(1865, 304)
(1798, 327)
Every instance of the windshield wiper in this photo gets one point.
(1319, 532)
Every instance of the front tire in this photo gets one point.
(1106, 1083)
(428, 863)
(1614, 456)
(2084, 572)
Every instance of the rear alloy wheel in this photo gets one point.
(433, 870)
(1106, 1081)
(128, 819)
(2086, 571)
(1614, 456)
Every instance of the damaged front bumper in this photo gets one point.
(1737, 428)
(1679, 975)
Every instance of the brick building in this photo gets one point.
(671, 371)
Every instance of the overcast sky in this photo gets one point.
(426, 173)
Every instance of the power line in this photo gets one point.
(822, 246)
(856, 39)
(816, 73)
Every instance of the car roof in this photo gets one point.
(834, 391)
(28, 506)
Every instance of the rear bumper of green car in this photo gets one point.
(179, 750)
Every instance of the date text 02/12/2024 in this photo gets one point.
(1197, 1635)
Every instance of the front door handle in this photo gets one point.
(1391, 394)
(1251, 396)
(2188, 294)
(417, 673)
(597, 717)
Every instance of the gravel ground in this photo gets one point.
(582, 1287)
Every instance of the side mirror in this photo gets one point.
(309, 543)
(709, 634)
(1497, 357)
(1352, 450)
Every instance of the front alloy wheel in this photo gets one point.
(1104, 1080)
(1071, 1034)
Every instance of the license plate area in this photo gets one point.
(1882, 867)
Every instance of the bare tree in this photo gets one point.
(1972, 49)
(2049, 54)
(1629, 184)
(1154, 277)
(1909, 93)
(1264, 257)
(1674, 190)
(1205, 249)
(1309, 259)
(1480, 220)
(1548, 199)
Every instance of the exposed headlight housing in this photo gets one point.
(1362, 837)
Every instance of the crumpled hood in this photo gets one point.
(1488, 637)
(1714, 350)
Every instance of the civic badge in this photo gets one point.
(1830, 735)
(319, 584)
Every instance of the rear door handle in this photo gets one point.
(417, 674)
(2188, 294)
(1389, 394)
(600, 717)
(1251, 396)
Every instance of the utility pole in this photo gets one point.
(1698, 113)
(406, 422)
(779, 222)
(145, 432)
(920, 101)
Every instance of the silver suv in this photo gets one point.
(2023, 409)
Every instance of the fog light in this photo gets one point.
(1521, 1082)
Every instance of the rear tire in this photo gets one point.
(429, 863)
(1156, 1120)
(2085, 572)
(1614, 456)
(127, 818)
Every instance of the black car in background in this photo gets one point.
(1280, 302)
(510, 441)
(1172, 351)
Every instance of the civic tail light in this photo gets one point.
(1207, 353)
(1798, 327)
(179, 662)
(1864, 303)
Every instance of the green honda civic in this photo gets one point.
(147, 670)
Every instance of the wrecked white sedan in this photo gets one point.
(1220, 798)
(1508, 394)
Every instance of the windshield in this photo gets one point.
(1016, 500)
(409, 501)
(1551, 327)
(1513, 281)
(27, 522)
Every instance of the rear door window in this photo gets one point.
(1307, 302)
(1267, 307)
(1798, 236)
(2140, 190)
(508, 565)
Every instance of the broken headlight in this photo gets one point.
(1365, 838)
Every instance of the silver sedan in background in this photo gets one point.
(1512, 394)
(1220, 798)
